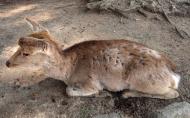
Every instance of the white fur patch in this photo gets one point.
(176, 78)
(151, 52)
(79, 92)
(155, 54)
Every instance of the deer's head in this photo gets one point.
(36, 49)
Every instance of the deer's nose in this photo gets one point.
(8, 63)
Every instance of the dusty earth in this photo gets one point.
(70, 22)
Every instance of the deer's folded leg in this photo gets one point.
(169, 95)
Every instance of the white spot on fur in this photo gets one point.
(151, 52)
(176, 78)
(79, 92)
(155, 53)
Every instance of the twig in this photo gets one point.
(142, 12)
(123, 12)
(66, 5)
(97, 5)
(118, 12)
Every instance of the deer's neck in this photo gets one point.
(64, 66)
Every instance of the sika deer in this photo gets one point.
(91, 66)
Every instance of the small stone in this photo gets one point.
(175, 110)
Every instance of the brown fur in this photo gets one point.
(91, 66)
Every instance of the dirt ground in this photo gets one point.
(70, 22)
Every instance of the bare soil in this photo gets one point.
(70, 22)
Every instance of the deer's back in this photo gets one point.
(121, 60)
(125, 51)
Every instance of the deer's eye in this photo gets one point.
(25, 54)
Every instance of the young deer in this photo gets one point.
(91, 66)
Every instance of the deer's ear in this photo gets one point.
(30, 41)
(35, 27)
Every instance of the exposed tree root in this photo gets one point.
(148, 15)
(181, 33)
(144, 7)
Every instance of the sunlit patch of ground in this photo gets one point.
(17, 10)
(42, 16)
